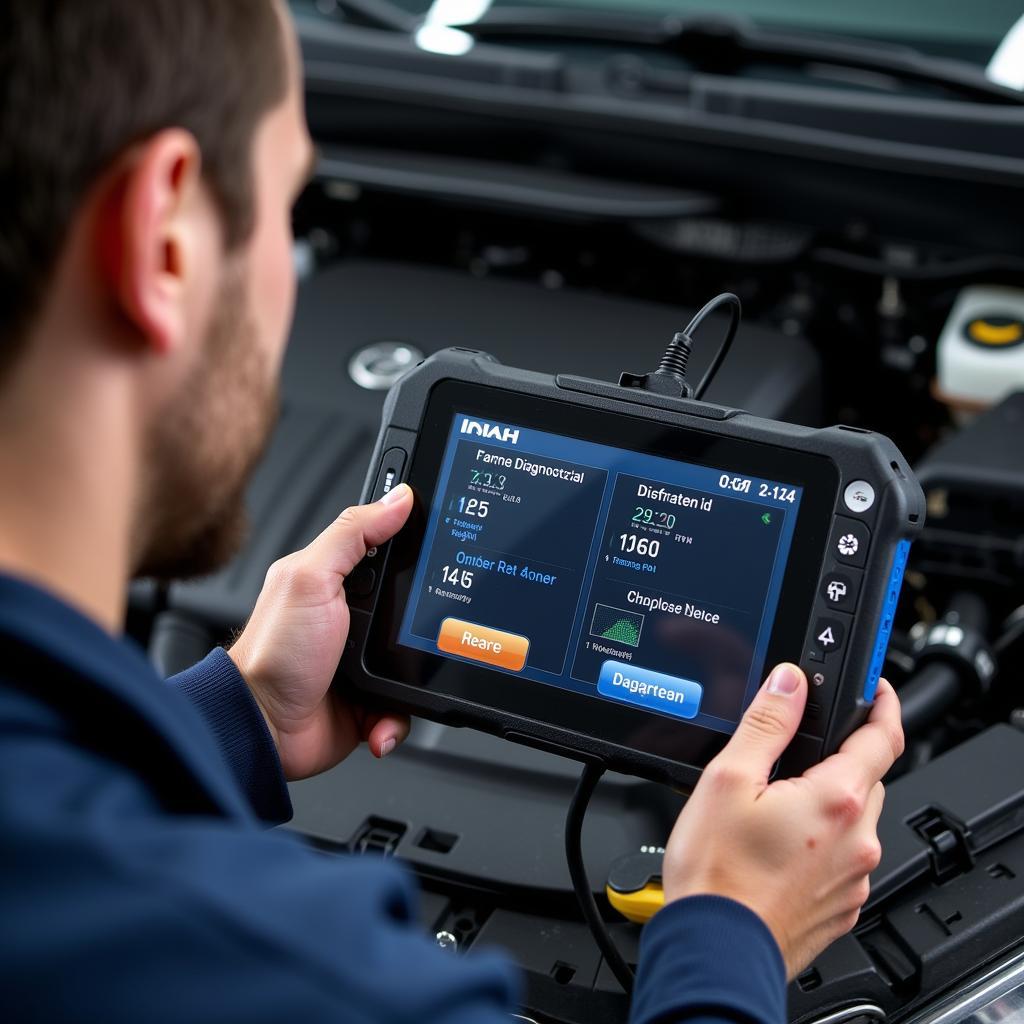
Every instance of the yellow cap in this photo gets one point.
(639, 906)
(990, 332)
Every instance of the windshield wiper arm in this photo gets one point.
(723, 44)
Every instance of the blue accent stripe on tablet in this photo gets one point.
(892, 596)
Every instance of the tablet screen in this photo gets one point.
(632, 577)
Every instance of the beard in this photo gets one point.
(204, 446)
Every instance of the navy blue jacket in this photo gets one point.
(139, 882)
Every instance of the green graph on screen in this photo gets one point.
(624, 631)
(619, 625)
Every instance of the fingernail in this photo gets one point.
(396, 495)
(784, 680)
(387, 746)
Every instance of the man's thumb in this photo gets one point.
(344, 543)
(769, 724)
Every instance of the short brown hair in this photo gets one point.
(82, 80)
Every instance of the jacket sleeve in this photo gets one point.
(220, 695)
(709, 960)
(116, 911)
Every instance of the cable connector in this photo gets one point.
(670, 377)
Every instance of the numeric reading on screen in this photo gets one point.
(473, 507)
(630, 542)
(743, 485)
(485, 479)
(457, 577)
(652, 516)
(777, 492)
(634, 578)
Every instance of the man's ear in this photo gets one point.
(150, 237)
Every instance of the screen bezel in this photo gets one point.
(594, 718)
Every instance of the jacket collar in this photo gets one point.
(113, 697)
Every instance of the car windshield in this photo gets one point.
(947, 28)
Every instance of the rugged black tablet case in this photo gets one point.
(841, 690)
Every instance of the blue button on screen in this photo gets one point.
(651, 690)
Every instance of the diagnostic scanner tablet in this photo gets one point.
(610, 573)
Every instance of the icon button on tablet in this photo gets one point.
(839, 589)
(859, 496)
(828, 637)
(849, 542)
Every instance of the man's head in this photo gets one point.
(150, 153)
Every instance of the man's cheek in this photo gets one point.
(274, 296)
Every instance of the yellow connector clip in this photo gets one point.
(634, 885)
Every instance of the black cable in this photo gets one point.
(669, 378)
(589, 778)
(735, 312)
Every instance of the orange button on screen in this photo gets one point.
(491, 646)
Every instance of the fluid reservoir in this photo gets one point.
(981, 348)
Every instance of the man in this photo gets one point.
(150, 154)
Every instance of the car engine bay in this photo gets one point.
(874, 297)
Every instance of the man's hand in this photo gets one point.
(797, 852)
(291, 646)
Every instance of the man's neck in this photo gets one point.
(67, 493)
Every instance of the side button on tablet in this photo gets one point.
(822, 677)
(839, 589)
(859, 496)
(849, 542)
(827, 638)
(390, 473)
(361, 581)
